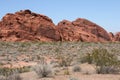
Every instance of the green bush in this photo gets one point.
(107, 62)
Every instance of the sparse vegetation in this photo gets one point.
(10, 74)
(11, 77)
(62, 55)
(107, 62)
(43, 70)
(8, 71)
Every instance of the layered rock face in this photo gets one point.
(28, 26)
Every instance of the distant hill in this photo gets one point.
(29, 26)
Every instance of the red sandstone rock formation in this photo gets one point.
(117, 36)
(28, 26)
(82, 30)
(111, 35)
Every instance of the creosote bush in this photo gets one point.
(107, 62)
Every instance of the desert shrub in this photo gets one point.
(107, 62)
(107, 69)
(64, 60)
(86, 58)
(76, 68)
(43, 70)
(8, 71)
(66, 72)
(24, 69)
(14, 77)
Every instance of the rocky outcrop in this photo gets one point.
(117, 36)
(29, 26)
(82, 30)
(112, 37)
(92, 28)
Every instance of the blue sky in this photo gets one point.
(105, 13)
